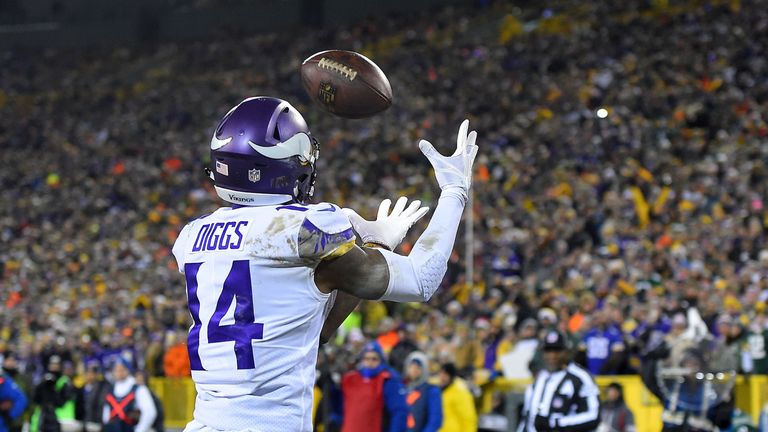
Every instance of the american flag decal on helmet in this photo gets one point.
(222, 168)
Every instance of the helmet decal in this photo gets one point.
(297, 145)
(219, 143)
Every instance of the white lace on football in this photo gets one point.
(337, 67)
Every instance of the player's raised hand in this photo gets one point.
(455, 171)
(389, 228)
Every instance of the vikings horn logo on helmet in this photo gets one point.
(297, 145)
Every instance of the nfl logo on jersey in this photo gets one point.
(254, 175)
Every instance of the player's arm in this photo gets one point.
(381, 274)
(361, 272)
(343, 305)
(391, 229)
(328, 236)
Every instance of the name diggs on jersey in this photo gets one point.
(220, 236)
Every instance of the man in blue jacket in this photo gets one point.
(425, 406)
(13, 402)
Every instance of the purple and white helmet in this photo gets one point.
(263, 154)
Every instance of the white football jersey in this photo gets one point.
(257, 312)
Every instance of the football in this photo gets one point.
(346, 83)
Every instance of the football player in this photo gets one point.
(261, 274)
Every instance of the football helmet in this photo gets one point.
(262, 153)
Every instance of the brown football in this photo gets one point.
(346, 83)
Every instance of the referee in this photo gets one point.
(564, 397)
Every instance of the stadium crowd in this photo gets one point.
(621, 180)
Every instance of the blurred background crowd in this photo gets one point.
(621, 181)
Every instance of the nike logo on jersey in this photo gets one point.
(330, 208)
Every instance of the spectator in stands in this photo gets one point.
(547, 320)
(176, 360)
(128, 406)
(404, 347)
(154, 356)
(425, 406)
(467, 349)
(677, 340)
(728, 345)
(603, 347)
(459, 413)
(23, 381)
(615, 415)
(159, 424)
(53, 398)
(685, 407)
(489, 336)
(13, 402)
(374, 396)
(92, 396)
(67, 413)
(757, 349)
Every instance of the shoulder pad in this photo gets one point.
(325, 232)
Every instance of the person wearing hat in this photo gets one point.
(54, 399)
(13, 402)
(615, 415)
(128, 406)
(689, 403)
(459, 413)
(425, 410)
(92, 396)
(728, 344)
(563, 396)
(373, 394)
(11, 369)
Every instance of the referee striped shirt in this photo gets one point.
(568, 399)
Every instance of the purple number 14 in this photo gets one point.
(237, 287)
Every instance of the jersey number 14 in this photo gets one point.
(237, 286)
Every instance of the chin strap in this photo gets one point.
(299, 196)
(209, 174)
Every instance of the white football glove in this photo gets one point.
(389, 229)
(454, 172)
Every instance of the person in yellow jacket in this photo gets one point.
(459, 413)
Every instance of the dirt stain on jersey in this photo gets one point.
(277, 225)
(429, 241)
